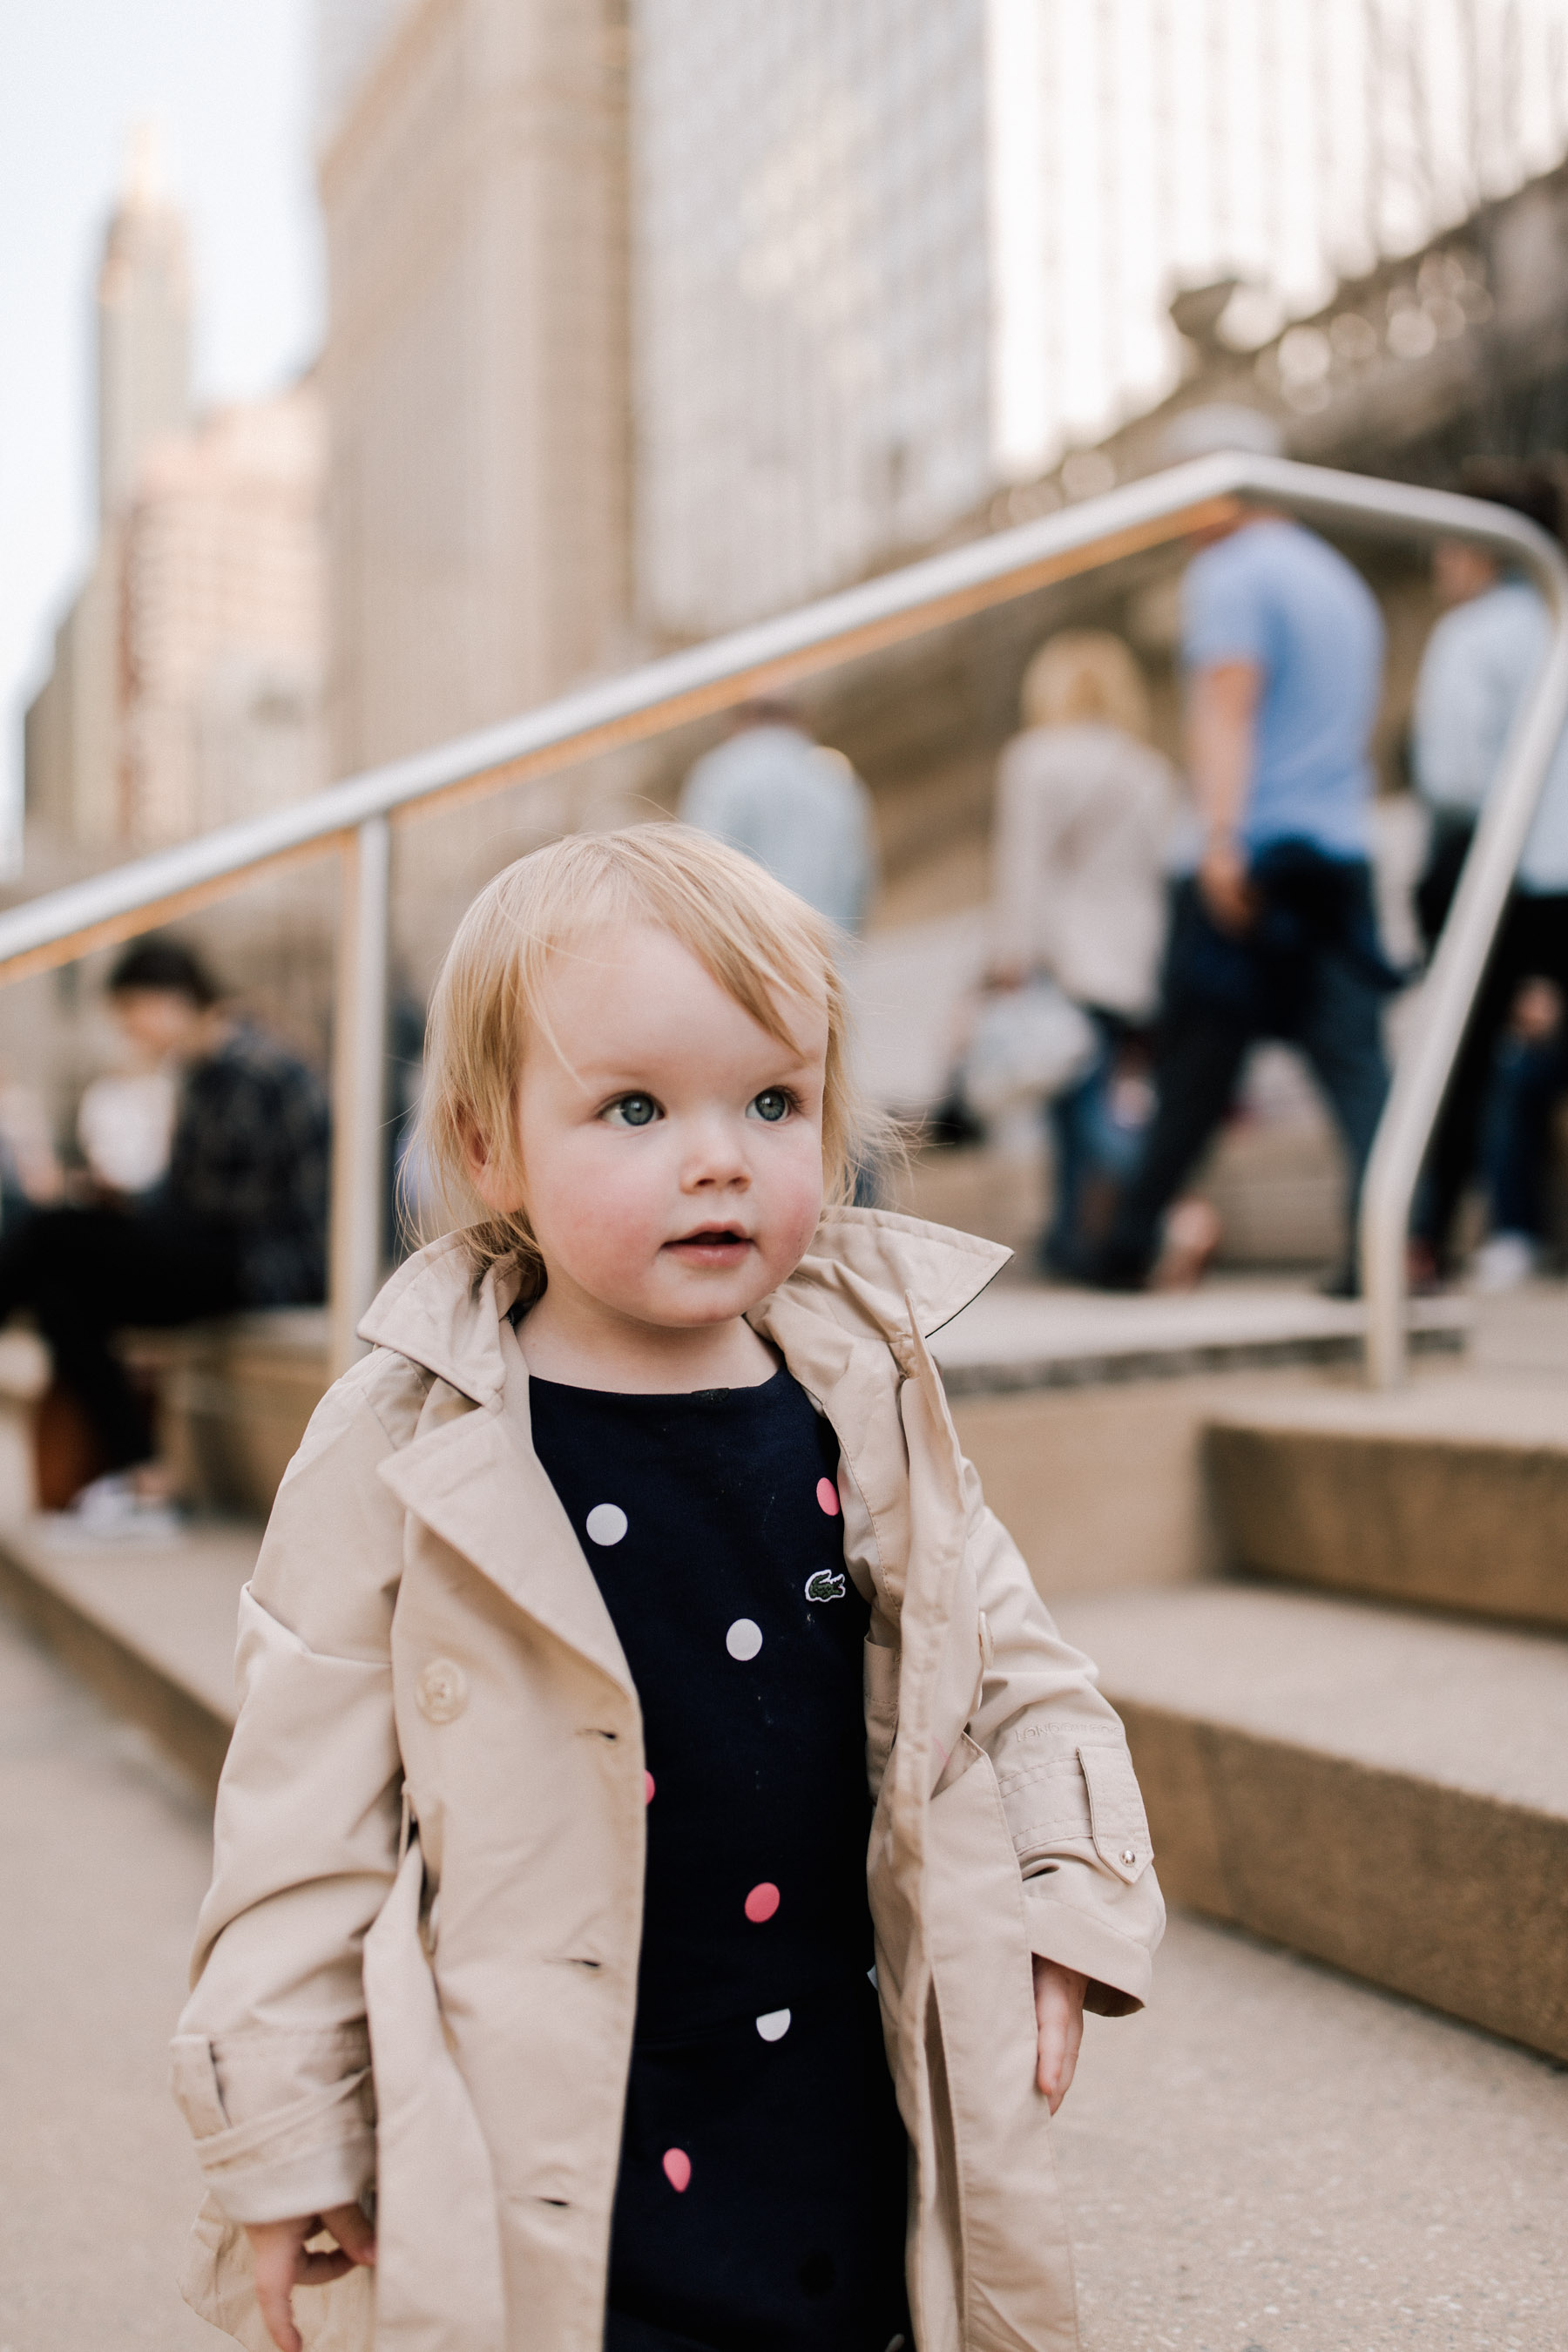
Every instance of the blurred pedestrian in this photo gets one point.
(1529, 1081)
(1479, 664)
(1274, 933)
(238, 1220)
(1084, 813)
(797, 808)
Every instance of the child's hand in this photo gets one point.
(1059, 2017)
(281, 2263)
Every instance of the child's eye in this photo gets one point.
(773, 1104)
(631, 1110)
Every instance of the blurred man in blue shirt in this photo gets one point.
(1273, 932)
(1481, 663)
(797, 808)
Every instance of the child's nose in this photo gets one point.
(716, 1155)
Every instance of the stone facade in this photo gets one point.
(476, 373)
(186, 687)
(222, 616)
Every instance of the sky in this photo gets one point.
(229, 84)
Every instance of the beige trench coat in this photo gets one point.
(430, 1836)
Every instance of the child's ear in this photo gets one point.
(499, 1187)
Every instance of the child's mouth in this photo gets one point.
(712, 1245)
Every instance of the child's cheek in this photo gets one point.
(612, 1208)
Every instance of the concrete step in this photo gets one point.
(1059, 1395)
(1379, 1790)
(1036, 1337)
(1453, 1494)
(150, 1626)
(233, 1397)
(1382, 1791)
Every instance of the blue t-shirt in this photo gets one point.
(1279, 596)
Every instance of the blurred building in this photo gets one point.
(223, 618)
(473, 181)
(891, 257)
(187, 686)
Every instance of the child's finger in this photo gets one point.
(274, 2281)
(321, 2269)
(353, 2231)
(1059, 2017)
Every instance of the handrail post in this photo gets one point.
(359, 1083)
(1421, 1075)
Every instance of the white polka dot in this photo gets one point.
(607, 1523)
(774, 2025)
(872, 1978)
(744, 1639)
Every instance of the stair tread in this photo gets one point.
(1040, 1336)
(1510, 1415)
(173, 1605)
(1471, 1708)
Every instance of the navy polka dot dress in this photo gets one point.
(760, 2206)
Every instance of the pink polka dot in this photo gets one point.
(827, 1496)
(647, 1788)
(678, 2168)
(761, 1903)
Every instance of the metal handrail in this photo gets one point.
(352, 818)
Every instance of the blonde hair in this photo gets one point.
(1086, 677)
(755, 937)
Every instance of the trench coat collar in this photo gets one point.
(867, 1274)
(440, 1314)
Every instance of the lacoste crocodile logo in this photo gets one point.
(825, 1584)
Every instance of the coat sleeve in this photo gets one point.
(1068, 1790)
(272, 2061)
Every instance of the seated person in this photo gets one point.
(238, 1221)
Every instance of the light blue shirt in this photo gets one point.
(1280, 597)
(798, 810)
(1481, 662)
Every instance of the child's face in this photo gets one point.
(671, 1148)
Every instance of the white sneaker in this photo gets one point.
(1503, 1262)
(111, 1511)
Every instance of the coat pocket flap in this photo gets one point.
(1118, 1823)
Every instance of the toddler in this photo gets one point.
(664, 1852)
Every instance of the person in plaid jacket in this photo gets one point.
(238, 1220)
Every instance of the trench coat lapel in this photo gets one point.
(871, 1278)
(479, 1486)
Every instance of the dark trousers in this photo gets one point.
(1531, 939)
(1329, 1005)
(1529, 1081)
(85, 1274)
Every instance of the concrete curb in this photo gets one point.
(189, 1728)
(1458, 1901)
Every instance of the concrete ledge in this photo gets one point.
(1039, 1338)
(1452, 1495)
(234, 1396)
(1386, 1794)
(149, 1627)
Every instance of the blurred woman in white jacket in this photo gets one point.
(1085, 810)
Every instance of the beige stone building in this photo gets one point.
(473, 184)
(186, 687)
(223, 620)
(74, 763)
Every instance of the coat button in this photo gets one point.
(442, 1690)
(1128, 1857)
